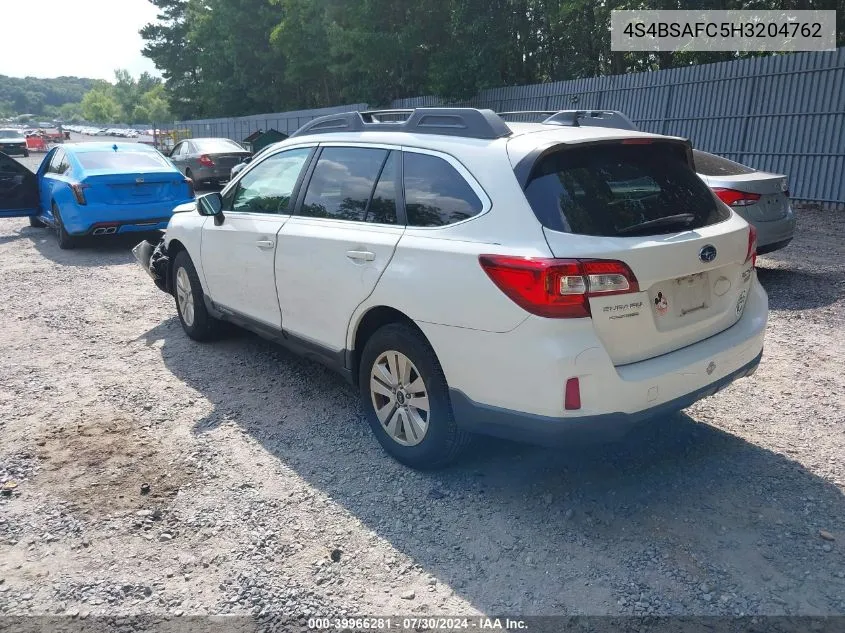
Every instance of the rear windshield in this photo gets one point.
(121, 161)
(216, 145)
(712, 165)
(10, 134)
(620, 190)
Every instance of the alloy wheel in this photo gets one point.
(399, 398)
(185, 296)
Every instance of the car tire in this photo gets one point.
(66, 240)
(26, 153)
(190, 174)
(417, 438)
(35, 222)
(190, 301)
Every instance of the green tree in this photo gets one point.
(99, 106)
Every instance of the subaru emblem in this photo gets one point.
(707, 253)
(140, 181)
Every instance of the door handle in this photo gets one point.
(265, 243)
(361, 256)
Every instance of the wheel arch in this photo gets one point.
(369, 322)
(174, 247)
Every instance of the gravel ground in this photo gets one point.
(148, 474)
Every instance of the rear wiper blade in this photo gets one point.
(683, 219)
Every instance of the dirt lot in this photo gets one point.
(267, 493)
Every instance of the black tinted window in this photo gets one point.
(343, 182)
(620, 190)
(712, 165)
(121, 161)
(435, 193)
(382, 208)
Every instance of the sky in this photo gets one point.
(82, 38)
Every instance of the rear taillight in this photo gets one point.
(205, 161)
(734, 198)
(751, 253)
(190, 184)
(79, 192)
(572, 395)
(557, 288)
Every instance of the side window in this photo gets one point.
(435, 193)
(56, 162)
(343, 182)
(177, 150)
(268, 186)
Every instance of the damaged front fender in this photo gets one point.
(155, 261)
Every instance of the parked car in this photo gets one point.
(532, 280)
(13, 141)
(95, 189)
(246, 160)
(761, 198)
(207, 160)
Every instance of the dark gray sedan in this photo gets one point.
(207, 160)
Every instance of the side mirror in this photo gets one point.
(211, 204)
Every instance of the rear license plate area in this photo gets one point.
(691, 294)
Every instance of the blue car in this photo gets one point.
(94, 189)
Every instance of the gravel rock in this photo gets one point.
(260, 463)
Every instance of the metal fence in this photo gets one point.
(784, 113)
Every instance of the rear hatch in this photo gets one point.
(122, 177)
(135, 188)
(228, 161)
(639, 202)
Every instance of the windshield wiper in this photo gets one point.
(682, 219)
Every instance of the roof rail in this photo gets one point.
(579, 118)
(464, 122)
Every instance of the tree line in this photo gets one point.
(76, 99)
(238, 57)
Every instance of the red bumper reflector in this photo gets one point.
(572, 400)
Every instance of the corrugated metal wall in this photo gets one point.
(784, 113)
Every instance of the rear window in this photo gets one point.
(10, 134)
(712, 165)
(122, 161)
(216, 145)
(435, 193)
(620, 190)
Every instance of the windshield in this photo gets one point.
(216, 145)
(121, 161)
(621, 190)
(10, 134)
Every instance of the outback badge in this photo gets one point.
(707, 253)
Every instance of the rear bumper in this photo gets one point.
(84, 220)
(775, 234)
(538, 429)
(211, 173)
(512, 383)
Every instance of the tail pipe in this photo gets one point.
(105, 230)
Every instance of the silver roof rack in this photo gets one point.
(575, 118)
(463, 122)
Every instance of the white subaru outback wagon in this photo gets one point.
(528, 280)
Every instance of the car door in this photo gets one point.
(179, 154)
(18, 189)
(331, 253)
(238, 254)
(52, 176)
